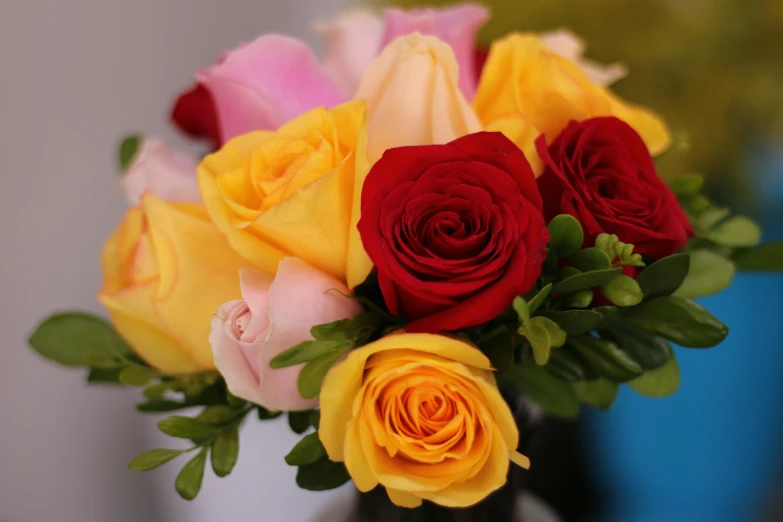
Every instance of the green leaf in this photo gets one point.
(97, 376)
(566, 365)
(737, 231)
(153, 458)
(264, 414)
(555, 396)
(646, 349)
(606, 358)
(580, 299)
(679, 320)
(135, 375)
(586, 280)
(536, 302)
(102, 362)
(566, 272)
(664, 276)
(609, 315)
(218, 414)
(709, 273)
(575, 322)
(599, 393)
(307, 351)
(566, 235)
(591, 259)
(189, 479)
(356, 328)
(688, 185)
(155, 392)
(313, 373)
(67, 337)
(299, 421)
(522, 309)
(322, 475)
(710, 216)
(498, 345)
(539, 340)
(160, 406)
(767, 257)
(307, 451)
(225, 452)
(623, 291)
(315, 418)
(186, 428)
(661, 382)
(127, 150)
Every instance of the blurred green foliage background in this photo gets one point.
(712, 68)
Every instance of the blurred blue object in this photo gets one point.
(713, 452)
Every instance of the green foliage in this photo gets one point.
(536, 302)
(660, 382)
(565, 364)
(599, 393)
(553, 395)
(591, 259)
(307, 451)
(767, 257)
(615, 249)
(575, 322)
(605, 358)
(225, 451)
(127, 150)
(649, 351)
(543, 334)
(586, 280)
(153, 458)
(190, 478)
(737, 231)
(623, 291)
(322, 475)
(664, 276)
(566, 235)
(299, 421)
(709, 273)
(679, 320)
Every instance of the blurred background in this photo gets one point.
(80, 74)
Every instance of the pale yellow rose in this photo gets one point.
(413, 96)
(421, 415)
(166, 269)
(294, 192)
(527, 89)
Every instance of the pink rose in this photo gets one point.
(356, 38)
(276, 314)
(158, 169)
(263, 84)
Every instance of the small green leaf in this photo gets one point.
(154, 458)
(127, 150)
(104, 376)
(679, 320)
(710, 216)
(225, 452)
(646, 349)
(536, 302)
(299, 421)
(599, 393)
(322, 475)
(566, 365)
(315, 418)
(566, 235)
(767, 257)
(218, 414)
(709, 273)
(575, 322)
(687, 185)
(555, 396)
(580, 299)
(566, 272)
(186, 428)
(737, 231)
(135, 375)
(609, 315)
(102, 362)
(557, 337)
(606, 358)
(591, 259)
(67, 337)
(522, 309)
(313, 373)
(307, 451)
(539, 340)
(661, 382)
(264, 414)
(155, 392)
(307, 351)
(664, 276)
(160, 406)
(189, 479)
(623, 291)
(586, 280)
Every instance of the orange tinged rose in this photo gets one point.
(167, 269)
(527, 89)
(421, 415)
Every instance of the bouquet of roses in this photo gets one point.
(401, 248)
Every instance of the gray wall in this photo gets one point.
(74, 76)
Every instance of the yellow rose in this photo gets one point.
(294, 192)
(421, 415)
(167, 269)
(527, 89)
(413, 96)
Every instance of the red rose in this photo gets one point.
(455, 231)
(600, 171)
(194, 114)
